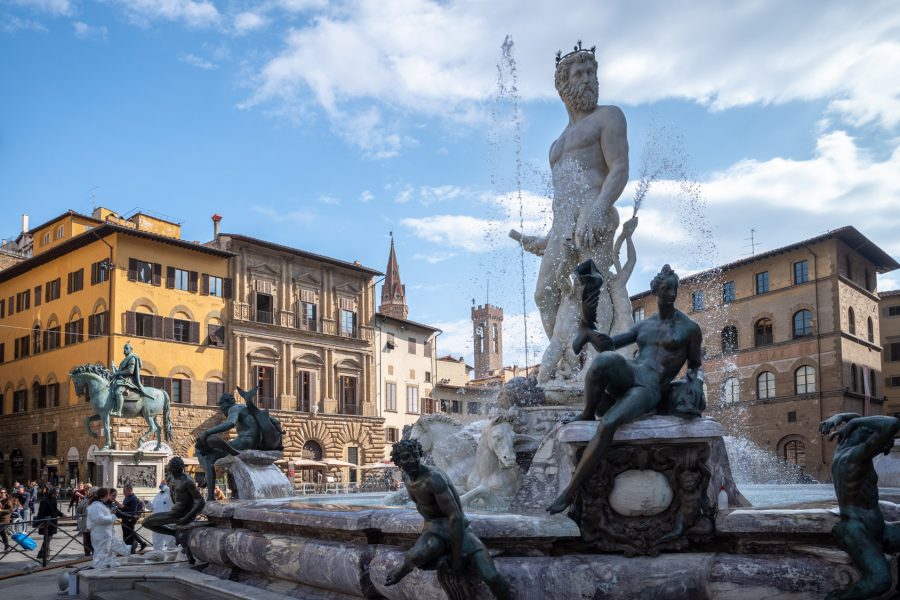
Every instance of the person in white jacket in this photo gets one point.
(99, 521)
(162, 502)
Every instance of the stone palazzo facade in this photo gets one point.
(301, 329)
(791, 337)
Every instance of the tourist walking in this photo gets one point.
(100, 521)
(81, 520)
(46, 517)
(161, 503)
(77, 497)
(6, 509)
(32, 492)
(130, 511)
(21, 497)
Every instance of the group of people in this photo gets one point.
(95, 509)
(99, 509)
(20, 505)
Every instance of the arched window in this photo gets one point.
(854, 382)
(848, 267)
(495, 331)
(36, 340)
(731, 391)
(795, 452)
(870, 330)
(851, 321)
(312, 450)
(872, 380)
(762, 332)
(729, 340)
(765, 385)
(805, 380)
(802, 323)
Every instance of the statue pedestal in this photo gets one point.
(143, 470)
(661, 476)
(256, 476)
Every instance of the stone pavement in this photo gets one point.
(37, 586)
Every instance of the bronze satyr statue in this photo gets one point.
(862, 531)
(256, 430)
(187, 502)
(446, 543)
(619, 390)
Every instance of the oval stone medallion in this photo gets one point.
(640, 493)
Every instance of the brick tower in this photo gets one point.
(487, 326)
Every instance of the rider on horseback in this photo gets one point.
(126, 377)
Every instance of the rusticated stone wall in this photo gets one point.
(334, 433)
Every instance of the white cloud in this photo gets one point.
(429, 195)
(301, 6)
(457, 231)
(12, 24)
(83, 31)
(440, 57)
(366, 196)
(784, 200)
(198, 14)
(57, 8)
(367, 130)
(434, 258)
(199, 62)
(480, 233)
(328, 199)
(246, 22)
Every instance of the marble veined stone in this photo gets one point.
(640, 493)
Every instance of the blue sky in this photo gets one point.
(326, 125)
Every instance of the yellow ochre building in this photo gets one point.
(74, 290)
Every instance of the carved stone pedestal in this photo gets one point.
(655, 490)
(142, 469)
(256, 476)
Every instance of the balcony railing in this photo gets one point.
(308, 406)
(308, 326)
(359, 409)
(348, 408)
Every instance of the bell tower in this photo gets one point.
(487, 327)
(393, 292)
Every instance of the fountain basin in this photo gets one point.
(338, 551)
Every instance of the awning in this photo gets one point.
(337, 463)
(305, 463)
(378, 465)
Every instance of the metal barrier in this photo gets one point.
(43, 540)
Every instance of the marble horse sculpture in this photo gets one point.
(862, 531)
(450, 445)
(95, 380)
(496, 476)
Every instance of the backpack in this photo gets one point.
(81, 516)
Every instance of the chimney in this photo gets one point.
(25, 223)
(216, 219)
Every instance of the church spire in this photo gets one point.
(393, 292)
